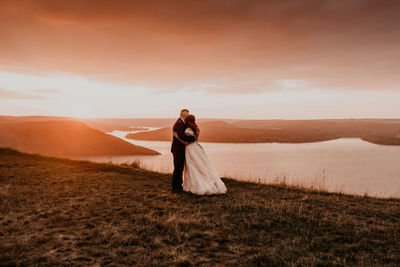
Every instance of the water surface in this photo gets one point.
(348, 165)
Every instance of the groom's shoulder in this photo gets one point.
(179, 124)
(178, 121)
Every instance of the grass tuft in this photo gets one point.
(63, 212)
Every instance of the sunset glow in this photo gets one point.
(230, 59)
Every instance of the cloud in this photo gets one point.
(8, 94)
(226, 46)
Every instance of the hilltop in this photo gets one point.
(60, 212)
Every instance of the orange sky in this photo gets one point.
(247, 59)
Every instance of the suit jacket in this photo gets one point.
(179, 128)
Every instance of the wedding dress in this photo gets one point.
(200, 176)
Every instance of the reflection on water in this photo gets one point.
(347, 165)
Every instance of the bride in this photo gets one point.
(199, 177)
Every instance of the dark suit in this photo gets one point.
(178, 150)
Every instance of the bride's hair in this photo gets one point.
(191, 123)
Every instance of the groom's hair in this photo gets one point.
(184, 110)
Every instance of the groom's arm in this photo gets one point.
(180, 130)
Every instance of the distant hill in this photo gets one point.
(109, 125)
(63, 137)
(103, 125)
(106, 127)
(385, 132)
(340, 124)
(378, 131)
(223, 132)
(123, 123)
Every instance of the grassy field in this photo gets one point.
(63, 212)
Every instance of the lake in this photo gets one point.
(347, 165)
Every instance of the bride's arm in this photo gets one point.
(183, 142)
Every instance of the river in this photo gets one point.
(347, 165)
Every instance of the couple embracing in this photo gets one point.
(193, 171)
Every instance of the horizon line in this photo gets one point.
(205, 118)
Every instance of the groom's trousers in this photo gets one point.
(179, 163)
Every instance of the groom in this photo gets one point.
(178, 150)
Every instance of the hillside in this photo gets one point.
(64, 137)
(385, 131)
(102, 125)
(58, 212)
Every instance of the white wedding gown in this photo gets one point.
(200, 177)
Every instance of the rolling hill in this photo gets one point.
(378, 131)
(223, 132)
(64, 137)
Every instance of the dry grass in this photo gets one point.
(63, 212)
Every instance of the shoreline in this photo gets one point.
(136, 165)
